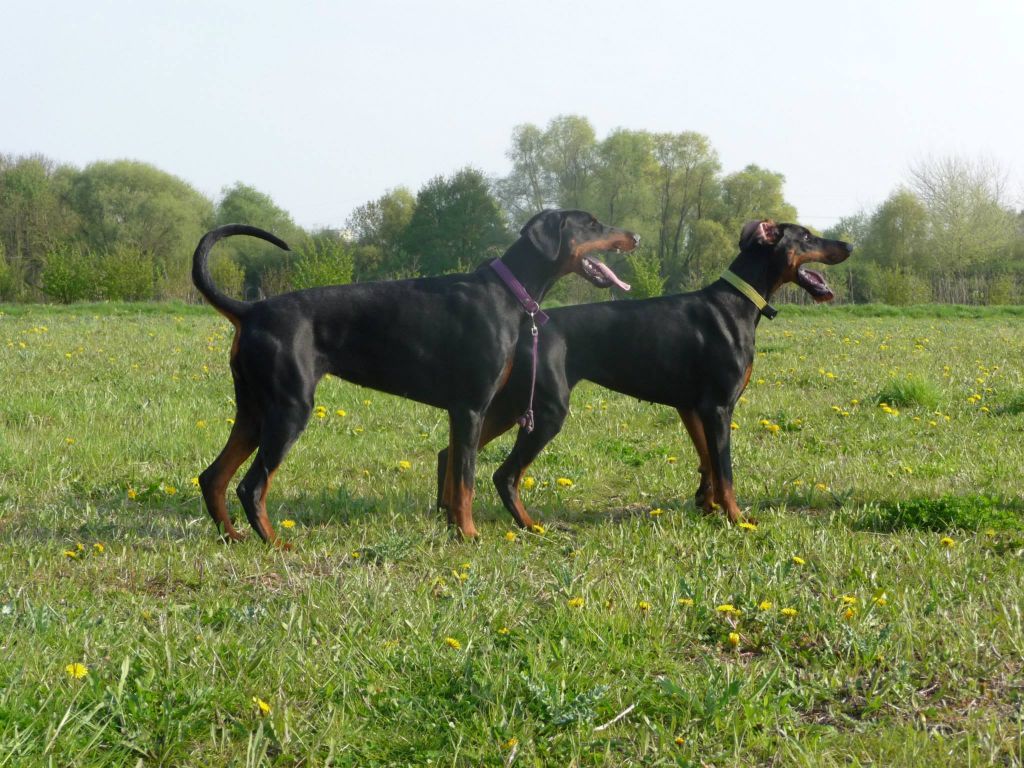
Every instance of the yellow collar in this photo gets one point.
(747, 290)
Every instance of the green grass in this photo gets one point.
(110, 411)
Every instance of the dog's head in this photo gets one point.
(572, 239)
(782, 250)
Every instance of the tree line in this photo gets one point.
(125, 230)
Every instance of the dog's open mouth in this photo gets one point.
(814, 283)
(600, 274)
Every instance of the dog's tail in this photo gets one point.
(232, 309)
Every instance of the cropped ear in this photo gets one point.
(544, 231)
(763, 232)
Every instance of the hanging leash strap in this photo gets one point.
(537, 318)
(747, 290)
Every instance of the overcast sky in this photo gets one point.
(325, 105)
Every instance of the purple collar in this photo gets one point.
(532, 307)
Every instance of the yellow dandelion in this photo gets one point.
(355, 554)
(747, 526)
(672, 459)
(849, 613)
(367, 402)
(764, 605)
(452, 643)
(947, 542)
(78, 670)
(195, 482)
(71, 553)
(510, 536)
(170, 490)
(734, 639)
(686, 602)
(340, 413)
(70, 441)
(656, 512)
(510, 743)
(881, 599)
(797, 560)
(287, 523)
(201, 424)
(728, 608)
(132, 494)
(404, 465)
(789, 612)
(262, 707)
(849, 599)
(679, 741)
(528, 483)
(576, 602)
(538, 528)
(99, 548)
(734, 425)
(565, 482)
(504, 631)
(643, 605)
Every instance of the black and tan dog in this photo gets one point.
(692, 351)
(444, 341)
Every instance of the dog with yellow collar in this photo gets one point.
(691, 351)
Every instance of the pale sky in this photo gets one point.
(325, 105)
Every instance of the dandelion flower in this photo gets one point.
(656, 512)
(881, 599)
(686, 602)
(849, 613)
(947, 542)
(680, 741)
(404, 465)
(672, 459)
(452, 643)
(789, 612)
(734, 639)
(734, 425)
(565, 482)
(71, 553)
(764, 605)
(262, 707)
(510, 535)
(287, 523)
(78, 670)
(576, 602)
(170, 490)
(132, 494)
(728, 608)
(510, 743)
(538, 528)
(528, 483)
(201, 424)
(849, 599)
(98, 547)
(504, 631)
(340, 412)
(643, 605)
(747, 526)
(797, 560)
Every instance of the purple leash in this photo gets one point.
(537, 317)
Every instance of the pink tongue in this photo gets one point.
(605, 270)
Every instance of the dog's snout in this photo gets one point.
(849, 247)
(636, 240)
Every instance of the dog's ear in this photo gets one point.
(544, 231)
(763, 232)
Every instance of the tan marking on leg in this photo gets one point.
(462, 510)
(263, 521)
(234, 454)
(522, 516)
(695, 428)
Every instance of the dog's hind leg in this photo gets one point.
(214, 480)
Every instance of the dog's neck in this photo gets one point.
(753, 269)
(522, 260)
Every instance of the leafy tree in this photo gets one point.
(529, 187)
(323, 259)
(622, 178)
(378, 228)
(898, 233)
(242, 204)
(753, 193)
(130, 203)
(456, 224)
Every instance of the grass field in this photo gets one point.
(872, 617)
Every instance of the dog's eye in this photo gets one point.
(806, 236)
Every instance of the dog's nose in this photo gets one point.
(849, 247)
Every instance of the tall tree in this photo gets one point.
(135, 204)
(753, 193)
(378, 228)
(456, 224)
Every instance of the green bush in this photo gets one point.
(647, 279)
(125, 274)
(68, 275)
(227, 274)
(1002, 289)
(322, 262)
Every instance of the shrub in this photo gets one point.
(647, 279)
(323, 262)
(227, 274)
(124, 274)
(68, 275)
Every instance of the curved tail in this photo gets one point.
(232, 309)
